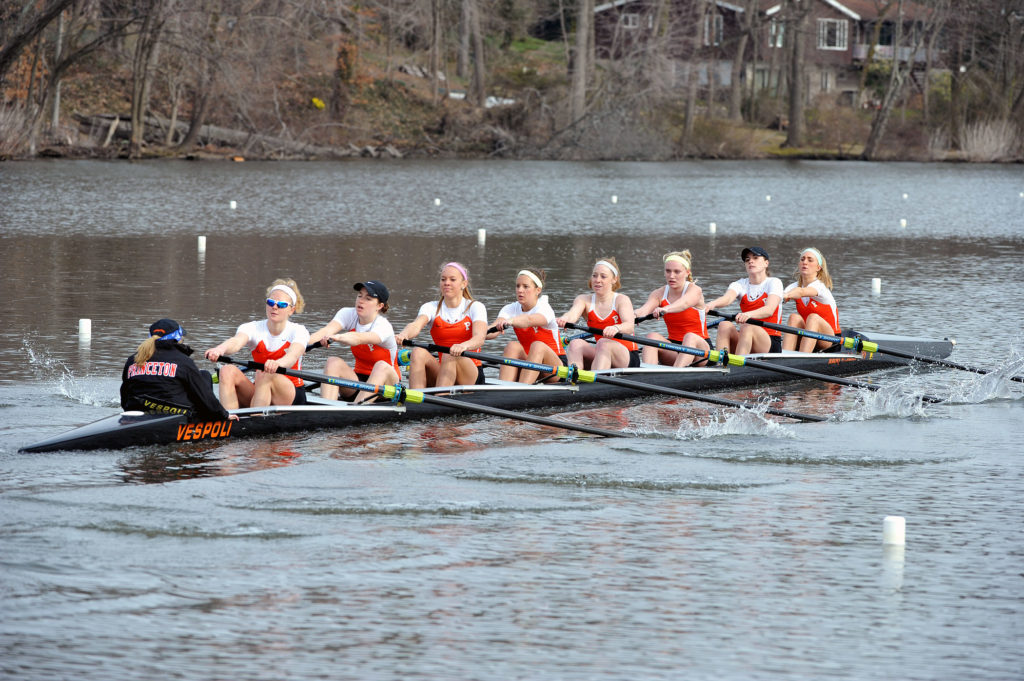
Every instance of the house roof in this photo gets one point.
(858, 9)
(619, 3)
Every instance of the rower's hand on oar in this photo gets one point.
(213, 354)
(656, 313)
(457, 349)
(610, 331)
(271, 366)
(561, 321)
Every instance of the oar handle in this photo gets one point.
(572, 374)
(396, 393)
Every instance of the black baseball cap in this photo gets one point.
(374, 288)
(754, 250)
(165, 327)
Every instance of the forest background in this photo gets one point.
(288, 79)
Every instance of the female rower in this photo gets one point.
(276, 342)
(681, 304)
(369, 334)
(815, 307)
(457, 322)
(760, 298)
(161, 378)
(533, 321)
(607, 310)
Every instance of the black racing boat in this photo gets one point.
(130, 429)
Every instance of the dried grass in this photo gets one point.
(991, 141)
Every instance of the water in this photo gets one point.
(721, 545)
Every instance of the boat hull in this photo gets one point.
(137, 429)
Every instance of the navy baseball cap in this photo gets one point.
(754, 250)
(374, 288)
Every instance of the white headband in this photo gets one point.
(816, 253)
(531, 275)
(287, 289)
(680, 259)
(608, 265)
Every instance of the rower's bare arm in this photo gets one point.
(691, 298)
(333, 327)
(412, 329)
(228, 347)
(652, 305)
(574, 313)
(723, 300)
(625, 309)
(351, 338)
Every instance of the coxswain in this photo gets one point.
(533, 321)
(609, 311)
(275, 342)
(760, 297)
(370, 336)
(815, 306)
(680, 303)
(161, 378)
(457, 322)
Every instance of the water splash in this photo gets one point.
(997, 385)
(51, 370)
(735, 422)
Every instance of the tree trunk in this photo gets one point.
(797, 84)
(693, 76)
(462, 60)
(578, 91)
(479, 70)
(55, 117)
(736, 86)
(147, 49)
(16, 43)
(435, 50)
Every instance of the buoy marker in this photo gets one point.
(712, 228)
(615, 199)
(768, 197)
(903, 223)
(894, 530)
(84, 329)
(481, 237)
(904, 196)
(233, 205)
(437, 202)
(201, 244)
(876, 286)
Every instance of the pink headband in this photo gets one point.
(460, 268)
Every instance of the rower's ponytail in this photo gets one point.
(146, 350)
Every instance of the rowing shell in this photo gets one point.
(130, 429)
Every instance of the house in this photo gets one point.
(840, 36)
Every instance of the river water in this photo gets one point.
(721, 545)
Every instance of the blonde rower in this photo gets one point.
(681, 304)
(533, 321)
(607, 310)
(457, 322)
(275, 342)
(815, 306)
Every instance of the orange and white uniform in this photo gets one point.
(547, 334)
(613, 319)
(265, 346)
(452, 325)
(368, 354)
(754, 296)
(690, 320)
(822, 304)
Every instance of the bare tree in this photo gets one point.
(796, 37)
(580, 59)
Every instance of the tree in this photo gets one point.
(580, 59)
(796, 36)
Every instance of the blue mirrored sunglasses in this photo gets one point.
(278, 303)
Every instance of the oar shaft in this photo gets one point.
(561, 371)
(389, 391)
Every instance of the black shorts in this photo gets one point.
(634, 359)
(300, 396)
(776, 344)
(480, 378)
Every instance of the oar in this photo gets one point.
(573, 374)
(399, 393)
(722, 357)
(858, 344)
(494, 329)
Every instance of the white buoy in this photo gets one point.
(876, 286)
(233, 205)
(84, 329)
(615, 199)
(437, 202)
(712, 228)
(768, 197)
(481, 237)
(894, 530)
(201, 244)
(1022, 195)
(904, 196)
(903, 223)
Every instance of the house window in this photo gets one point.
(775, 33)
(713, 28)
(630, 21)
(832, 34)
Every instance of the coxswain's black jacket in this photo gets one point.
(170, 383)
